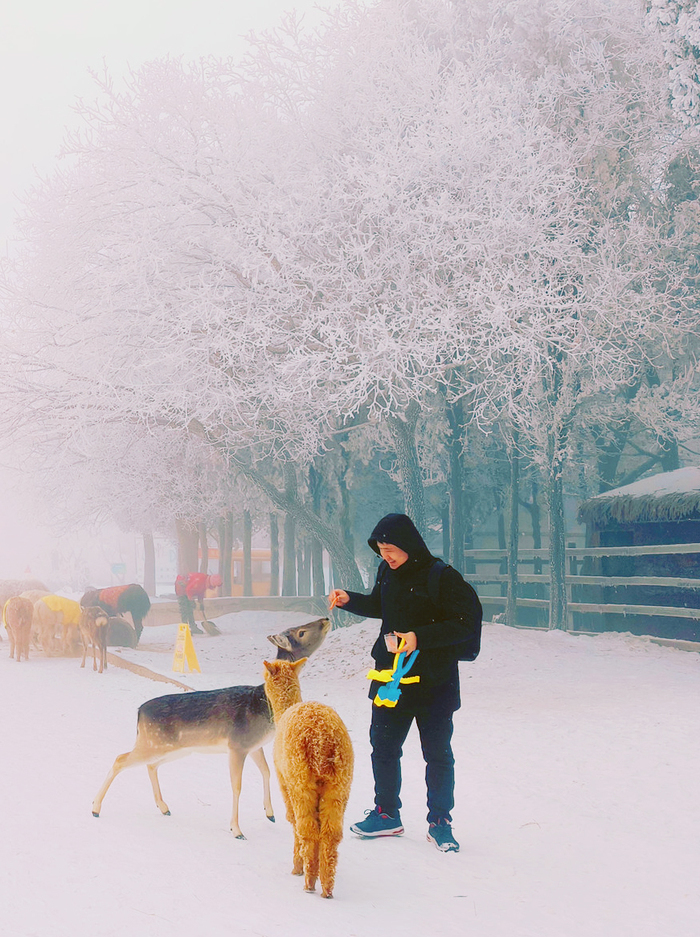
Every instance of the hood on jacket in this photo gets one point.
(399, 530)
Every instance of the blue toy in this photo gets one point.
(389, 695)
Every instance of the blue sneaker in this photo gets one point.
(440, 835)
(378, 823)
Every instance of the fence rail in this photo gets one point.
(574, 553)
(661, 549)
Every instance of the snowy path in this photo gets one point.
(577, 808)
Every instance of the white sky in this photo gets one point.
(47, 47)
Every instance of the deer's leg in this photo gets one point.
(85, 647)
(127, 760)
(258, 757)
(11, 636)
(153, 777)
(235, 766)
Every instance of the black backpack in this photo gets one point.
(466, 650)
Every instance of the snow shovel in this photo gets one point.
(210, 627)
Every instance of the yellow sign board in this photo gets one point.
(184, 651)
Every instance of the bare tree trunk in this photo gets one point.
(345, 518)
(445, 520)
(149, 563)
(557, 550)
(403, 433)
(455, 442)
(203, 548)
(220, 537)
(289, 572)
(187, 548)
(274, 555)
(536, 516)
(501, 531)
(228, 549)
(513, 538)
(315, 483)
(304, 587)
(247, 553)
(670, 460)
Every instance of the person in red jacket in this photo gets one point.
(191, 589)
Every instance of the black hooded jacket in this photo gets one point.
(400, 598)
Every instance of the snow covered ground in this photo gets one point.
(577, 800)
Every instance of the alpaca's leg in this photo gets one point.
(297, 864)
(305, 800)
(331, 813)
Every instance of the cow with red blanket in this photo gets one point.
(132, 598)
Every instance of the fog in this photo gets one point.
(47, 54)
(47, 51)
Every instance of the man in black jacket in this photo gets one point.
(440, 618)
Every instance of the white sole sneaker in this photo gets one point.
(443, 847)
(396, 832)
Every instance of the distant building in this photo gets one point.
(662, 509)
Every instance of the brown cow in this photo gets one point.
(17, 616)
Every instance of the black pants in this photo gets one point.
(186, 607)
(387, 734)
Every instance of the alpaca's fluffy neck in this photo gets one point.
(283, 696)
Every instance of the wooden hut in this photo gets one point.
(660, 510)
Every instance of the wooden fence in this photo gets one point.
(575, 557)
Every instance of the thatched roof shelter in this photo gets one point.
(668, 496)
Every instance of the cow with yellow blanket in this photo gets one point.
(54, 614)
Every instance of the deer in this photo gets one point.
(92, 625)
(234, 720)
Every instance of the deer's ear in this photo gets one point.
(269, 667)
(298, 664)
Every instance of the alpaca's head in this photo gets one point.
(282, 683)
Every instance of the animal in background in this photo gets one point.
(131, 598)
(120, 632)
(12, 587)
(17, 614)
(34, 594)
(93, 625)
(51, 613)
(314, 762)
(236, 720)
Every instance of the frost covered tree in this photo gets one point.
(423, 217)
(677, 22)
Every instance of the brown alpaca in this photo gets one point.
(314, 761)
(92, 625)
(17, 615)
